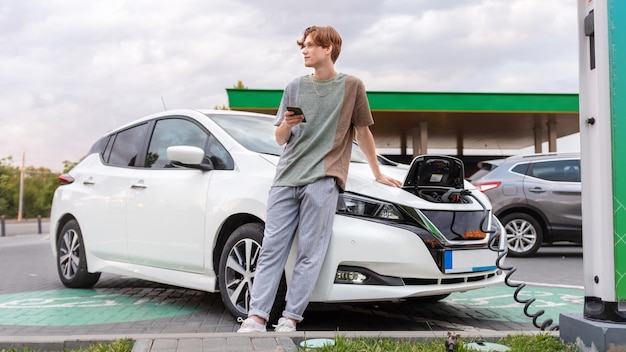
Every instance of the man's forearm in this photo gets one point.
(366, 142)
(283, 133)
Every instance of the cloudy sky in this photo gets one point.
(72, 69)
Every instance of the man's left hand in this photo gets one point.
(389, 181)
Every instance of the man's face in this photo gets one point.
(314, 55)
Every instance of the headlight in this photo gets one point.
(368, 207)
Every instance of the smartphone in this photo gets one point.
(296, 110)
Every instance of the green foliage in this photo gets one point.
(521, 343)
(525, 343)
(539, 343)
(240, 85)
(39, 186)
(124, 345)
(9, 187)
(68, 165)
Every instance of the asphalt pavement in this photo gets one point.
(36, 310)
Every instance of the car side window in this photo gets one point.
(520, 168)
(126, 146)
(99, 146)
(218, 155)
(557, 170)
(172, 132)
(177, 131)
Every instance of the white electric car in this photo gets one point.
(179, 198)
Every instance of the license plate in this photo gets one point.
(468, 261)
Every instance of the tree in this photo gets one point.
(39, 186)
(9, 187)
(68, 165)
(240, 85)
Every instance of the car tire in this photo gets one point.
(236, 272)
(71, 258)
(524, 234)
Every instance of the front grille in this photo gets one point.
(419, 282)
(449, 281)
(458, 225)
(479, 278)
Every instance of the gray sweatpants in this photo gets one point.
(310, 209)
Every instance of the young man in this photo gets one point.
(310, 174)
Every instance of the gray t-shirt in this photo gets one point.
(322, 145)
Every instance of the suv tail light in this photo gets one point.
(65, 179)
(485, 186)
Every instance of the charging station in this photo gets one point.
(602, 70)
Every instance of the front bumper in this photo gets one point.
(400, 260)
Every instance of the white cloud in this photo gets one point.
(74, 69)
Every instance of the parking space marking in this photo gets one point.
(71, 307)
(74, 307)
(497, 303)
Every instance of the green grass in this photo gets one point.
(525, 343)
(125, 345)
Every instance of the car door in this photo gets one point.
(167, 204)
(554, 188)
(102, 214)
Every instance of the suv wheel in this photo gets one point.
(71, 258)
(523, 234)
(238, 263)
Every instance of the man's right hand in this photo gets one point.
(291, 119)
(283, 131)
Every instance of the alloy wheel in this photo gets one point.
(521, 235)
(69, 254)
(239, 271)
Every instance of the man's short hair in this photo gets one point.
(324, 37)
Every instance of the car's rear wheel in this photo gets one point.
(71, 258)
(238, 263)
(524, 234)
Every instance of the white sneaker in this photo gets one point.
(285, 325)
(250, 325)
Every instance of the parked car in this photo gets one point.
(180, 197)
(536, 197)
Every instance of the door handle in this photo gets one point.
(138, 185)
(89, 182)
(536, 190)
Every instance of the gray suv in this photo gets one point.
(536, 197)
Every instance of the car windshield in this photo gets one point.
(256, 133)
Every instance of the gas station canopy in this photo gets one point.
(423, 120)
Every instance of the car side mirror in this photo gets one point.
(188, 156)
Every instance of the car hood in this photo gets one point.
(360, 176)
(361, 181)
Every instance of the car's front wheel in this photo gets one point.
(71, 258)
(237, 267)
(524, 234)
